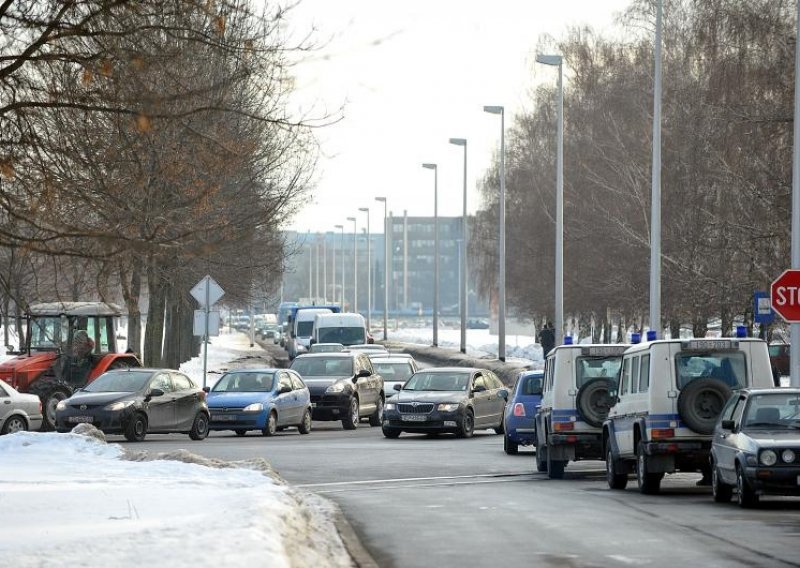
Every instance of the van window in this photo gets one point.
(344, 335)
(727, 366)
(304, 328)
(588, 368)
(626, 377)
(634, 375)
(644, 374)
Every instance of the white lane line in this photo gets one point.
(412, 479)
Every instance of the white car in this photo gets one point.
(395, 368)
(578, 382)
(671, 393)
(18, 412)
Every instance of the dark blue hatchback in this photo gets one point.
(520, 427)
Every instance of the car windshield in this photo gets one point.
(423, 381)
(588, 368)
(244, 382)
(304, 328)
(530, 384)
(726, 366)
(392, 371)
(323, 366)
(344, 335)
(773, 411)
(119, 381)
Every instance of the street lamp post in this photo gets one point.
(501, 307)
(557, 60)
(341, 244)
(655, 197)
(310, 266)
(369, 272)
(435, 251)
(463, 256)
(355, 265)
(385, 263)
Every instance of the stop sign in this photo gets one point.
(785, 295)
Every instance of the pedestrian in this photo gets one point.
(547, 338)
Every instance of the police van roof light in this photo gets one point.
(636, 338)
(651, 335)
(741, 331)
(567, 340)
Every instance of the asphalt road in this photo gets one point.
(419, 501)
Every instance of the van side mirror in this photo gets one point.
(727, 425)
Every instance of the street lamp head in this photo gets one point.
(458, 141)
(381, 199)
(549, 59)
(493, 109)
(353, 219)
(364, 209)
(429, 166)
(338, 226)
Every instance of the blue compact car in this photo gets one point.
(266, 400)
(520, 427)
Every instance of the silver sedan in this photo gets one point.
(18, 411)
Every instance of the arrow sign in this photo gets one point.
(207, 290)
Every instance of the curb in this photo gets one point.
(361, 557)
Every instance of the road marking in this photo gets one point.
(411, 479)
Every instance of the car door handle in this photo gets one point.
(6, 402)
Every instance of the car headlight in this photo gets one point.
(255, 407)
(389, 406)
(61, 405)
(114, 406)
(788, 456)
(336, 387)
(448, 407)
(768, 458)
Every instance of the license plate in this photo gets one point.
(80, 419)
(413, 418)
(223, 417)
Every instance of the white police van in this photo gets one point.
(578, 380)
(671, 393)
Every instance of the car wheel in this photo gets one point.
(272, 425)
(501, 429)
(199, 429)
(745, 495)
(137, 428)
(350, 422)
(391, 432)
(541, 459)
(555, 468)
(511, 448)
(721, 491)
(241, 432)
(14, 424)
(615, 480)
(305, 425)
(376, 418)
(467, 425)
(649, 483)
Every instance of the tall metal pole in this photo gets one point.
(369, 272)
(207, 309)
(310, 267)
(463, 253)
(655, 191)
(316, 281)
(794, 348)
(341, 249)
(355, 264)
(385, 263)
(325, 266)
(435, 251)
(405, 259)
(333, 270)
(501, 253)
(560, 214)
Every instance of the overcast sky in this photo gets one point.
(411, 74)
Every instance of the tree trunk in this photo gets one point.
(699, 327)
(131, 291)
(674, 328)
(187, 344)
(154, 332)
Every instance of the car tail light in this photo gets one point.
(563, 426)
(660, 433)
(519, 409)
(572, 439)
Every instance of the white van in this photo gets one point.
(303, 330)
(347, 329)
(671, 393)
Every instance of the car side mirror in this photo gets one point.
(155, 392)
(312, 341)
(398, 387)
(206, 389)
(727, 425)
(479, 388)
(502, 393)
(284, 389)
(363, 373)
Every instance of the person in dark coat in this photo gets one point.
(547, 338)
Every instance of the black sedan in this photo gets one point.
(756, 446)
(448, 399)
(135, 402)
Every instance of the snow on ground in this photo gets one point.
(73, 500)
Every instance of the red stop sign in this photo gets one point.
(785, 295)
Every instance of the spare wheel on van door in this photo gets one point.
(700, 403)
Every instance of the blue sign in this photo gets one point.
(762, 308)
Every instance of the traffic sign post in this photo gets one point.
(207, 292)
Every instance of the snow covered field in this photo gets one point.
(73, 500)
